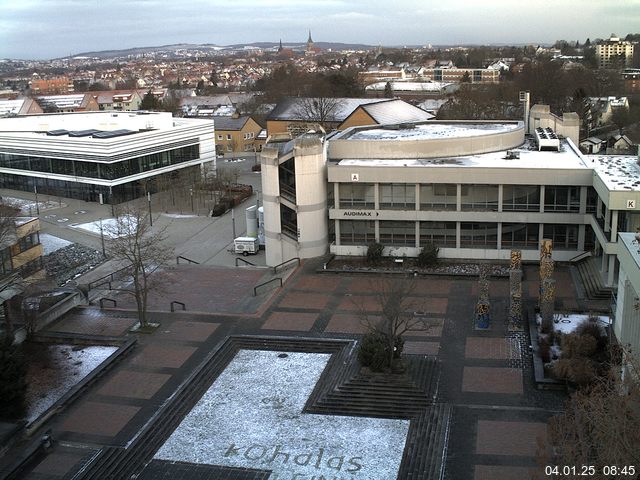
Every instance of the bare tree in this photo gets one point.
(135, 243)
(8, 279)
(320, 110)
(600, 426)
(401, 312)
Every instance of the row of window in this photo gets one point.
(443, 234)
(246, 136)
(402, 196)
(105, 171)
(24, 244)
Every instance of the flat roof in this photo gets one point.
(529, 158)
(617, 172)
(629, 241)
(432, 130)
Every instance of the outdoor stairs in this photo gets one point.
(592, 280)
(341, 390)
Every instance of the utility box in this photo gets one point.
(246, 245)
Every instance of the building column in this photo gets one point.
(417, 197)
(612, 270)
(336, 230)
(607, 220)
(583, 200)
(459, 197)
(603, 266)
(377, 230)
(542, 193)
(417, 234)
(599, 208)
(336, 195)
(614, 225)
(457, 234)
(540, 231)
(500, 197)
(581, 237)
(499, 245)
(376, 199)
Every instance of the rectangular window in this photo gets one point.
(357, 232)
(480, 198)
(289, 222)
(521, 198)
(441, 234)
(228, 136)
(220, 137)
(398, 233)
(357, 195)
(565, 237)
(438, 196)
(478, 235)
(561, 199)
(398, 196)
(520, 235)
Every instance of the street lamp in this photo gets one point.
(191, 194)
(104, 253)
(149, 202)
(35, 189)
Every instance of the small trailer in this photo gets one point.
(246, 245)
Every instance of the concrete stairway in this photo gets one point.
(592, 280)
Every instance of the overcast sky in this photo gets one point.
(53, 28)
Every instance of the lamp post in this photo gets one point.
(35, 190)
(191, 194)
(233, 223)
(104, 253)
(149, 202)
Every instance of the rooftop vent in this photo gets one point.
(547, 139)
(512, 155)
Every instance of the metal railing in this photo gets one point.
(107, 278)
(175, 302)
(295, 259)
(238, 259)
(102, 300)
(255, 289)
(580, 256)
(185, 258)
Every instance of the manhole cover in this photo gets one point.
(283, 355)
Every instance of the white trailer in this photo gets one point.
(246, 245)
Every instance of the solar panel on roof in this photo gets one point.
(83, 133)
(57, 133)
(114, 133)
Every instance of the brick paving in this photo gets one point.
(492, 380)
(292, 321)
(509, 438)
(485, 375)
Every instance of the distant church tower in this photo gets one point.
(310, 48)
(280, 47)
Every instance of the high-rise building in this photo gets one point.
(614, 52)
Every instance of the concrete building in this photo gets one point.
(474, 189)
(614, 52)
(458, 75)
(102, 156)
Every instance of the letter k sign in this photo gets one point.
(252, 417)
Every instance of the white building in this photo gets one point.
(474, 189)
(613, 50)
(102, 156)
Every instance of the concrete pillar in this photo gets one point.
(599, 208)
(457, 234)
(377, 230)
(336, 195)
(607, 220)
(581, 236)
(583, 200)
(417, 197)
(336, 229)
(458, 197)
(542, 193)
(418, 234)
(376, 196)
(500, 197)
(612, 271)
(499, 236)
(614, 225)
(603, 266)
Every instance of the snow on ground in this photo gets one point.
(108, 226)
(55, 369)
(28, 207)
(179, 215)
(569, 322)
(51, 243)
(251, 417)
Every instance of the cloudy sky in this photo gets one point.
(54, 28)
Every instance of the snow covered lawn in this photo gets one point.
(51, 243)
(28, 207)
(109, 227)
(252, 417)
(567, 323)
(55, 369)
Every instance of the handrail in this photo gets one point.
(255, 289)
(244, 261)
(296, 259)
(175, 302)
(110, 277)
(580, 256)
(185, 258)
(104, 299)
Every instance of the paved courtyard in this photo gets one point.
(498, 415)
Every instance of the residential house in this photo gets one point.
(122, 100)
(52, 86)
(20, 106)
(236, 134)
(602, 108)
(78, 102)
(391, 111)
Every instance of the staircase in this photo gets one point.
(592, 280)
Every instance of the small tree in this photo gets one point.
(133, 242)
(398, 307)
(320, 110)
(388, 90)
(150, 102)
(374, 253)
(428, 255)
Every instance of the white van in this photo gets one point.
(246, 245)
